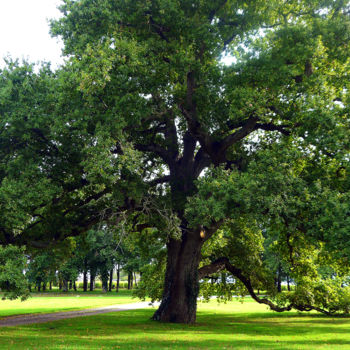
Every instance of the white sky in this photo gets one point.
(24, 31)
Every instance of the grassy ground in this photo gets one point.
(230, 326)
(55, 302)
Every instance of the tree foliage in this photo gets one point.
(145, 123)
(12, 280)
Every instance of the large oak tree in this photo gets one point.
(150, 121)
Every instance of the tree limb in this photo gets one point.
(216, 266)
(170, 134)
(272, 127)
(201, 161)
(154, 148)
(214, 11)
(159, 29)
(240, 134)
(159, 180)
(224, 263)
(189, 143)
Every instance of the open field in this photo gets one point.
(55, 302)
(225, 326)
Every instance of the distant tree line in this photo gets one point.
(98, 254)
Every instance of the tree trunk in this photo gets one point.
(223, 278)
(70, 285)
(181, 288)
(118, 278)
(110, 286)
(50, 285)
(104, 280)
(135, 279)
(44, 286)
(85, 281)
(279, 279)
(288, 283)
(129, 281)
(65, 286)
(39, 286)
(92, 280)
(74, 286)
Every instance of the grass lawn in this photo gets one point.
(55, 302)
(227, 326)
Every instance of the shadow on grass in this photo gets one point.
(135, 330)
(152, 343)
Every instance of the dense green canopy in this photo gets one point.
(146, 123)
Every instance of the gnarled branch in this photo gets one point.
(224, 263)
(240, 134)
(272, 127)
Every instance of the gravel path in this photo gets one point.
(42, 318)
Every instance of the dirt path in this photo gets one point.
(42, 318)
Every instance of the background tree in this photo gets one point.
(12, 280)
(42, 269)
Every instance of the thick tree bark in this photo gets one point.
(179, 302)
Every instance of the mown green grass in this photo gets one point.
(225, 326)
(55, 302)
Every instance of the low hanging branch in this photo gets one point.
(224, 263)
